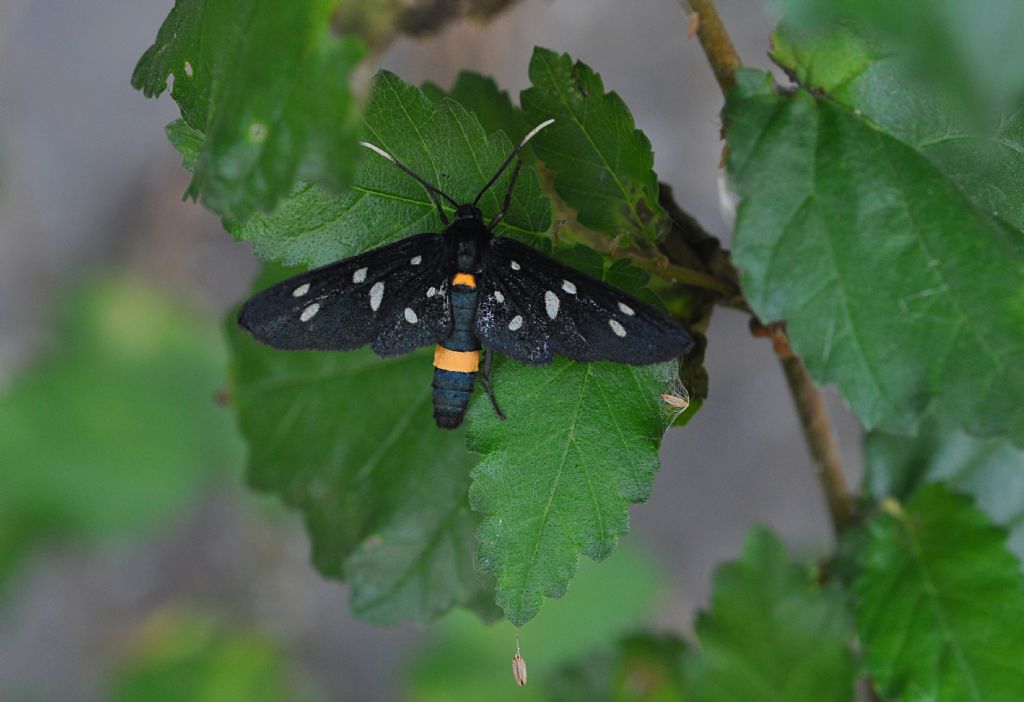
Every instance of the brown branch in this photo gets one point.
(716, 43)
(817, 429)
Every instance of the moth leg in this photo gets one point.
(508, 198)
(485, 381)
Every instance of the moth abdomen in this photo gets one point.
(452, 390)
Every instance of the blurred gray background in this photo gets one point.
(88, 182)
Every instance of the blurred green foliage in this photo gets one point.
(116, 427)
(184, 657)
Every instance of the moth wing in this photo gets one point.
(531, 307)
(394, 297)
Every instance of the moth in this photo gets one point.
(462, 289)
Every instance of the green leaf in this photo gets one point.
(941, 603)
(469, 660)
(349, 440)
(268, 86)
(642, 667)
(116, 428)
(991, 471)
(556, 478)
(772, 634)
(972, 51)
(491, 105)
(442, 142)
(891, 280)
(603, 165)
(189, 657)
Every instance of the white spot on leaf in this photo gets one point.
(410, 316)
(416, 260)
(376, 295)
(516, 323)
(626, 309)
(359, 276)
(515, 266)
(301, 290)
(617, 328)
(257, 132)
(551, 304)
(568, 287)
(309, 312)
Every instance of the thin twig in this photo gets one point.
(817, 429)
(716, 43)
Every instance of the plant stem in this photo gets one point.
(716, 43)
(817, 428)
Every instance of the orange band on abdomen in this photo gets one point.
(461, 361)
(464, 279)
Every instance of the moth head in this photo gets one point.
(468, 212)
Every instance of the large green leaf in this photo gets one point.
(940, 607)
(491, 105)
(441, 141)
(267, 83)
(772, 634)
(116, 428)
(892, 281)
(556, 478)
(603, 164)
(349, 440)
(972, 49)
(992, 471)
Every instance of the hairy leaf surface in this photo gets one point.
(555, 479)
(941, 603)
(267, 83)
(441, 141)
(603, 164)
(349, 440)
(771, 635)
(893, 282)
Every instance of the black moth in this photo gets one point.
(461, 289)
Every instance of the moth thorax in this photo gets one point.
(466, 255)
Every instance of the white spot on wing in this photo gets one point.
(617, 328)
(515, 266)
(359, 276)
(516, 323)
(568, 287)
(376, 295)
(626, 309)
(431, 291)
(416, 260)
(301, 290)
(410, 316)
(551, 304)
(498, 296)
(309, 312)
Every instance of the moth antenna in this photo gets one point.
(430, 188)
(511, 156)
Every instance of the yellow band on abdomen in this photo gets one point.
(461, 361)
(464, 279)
